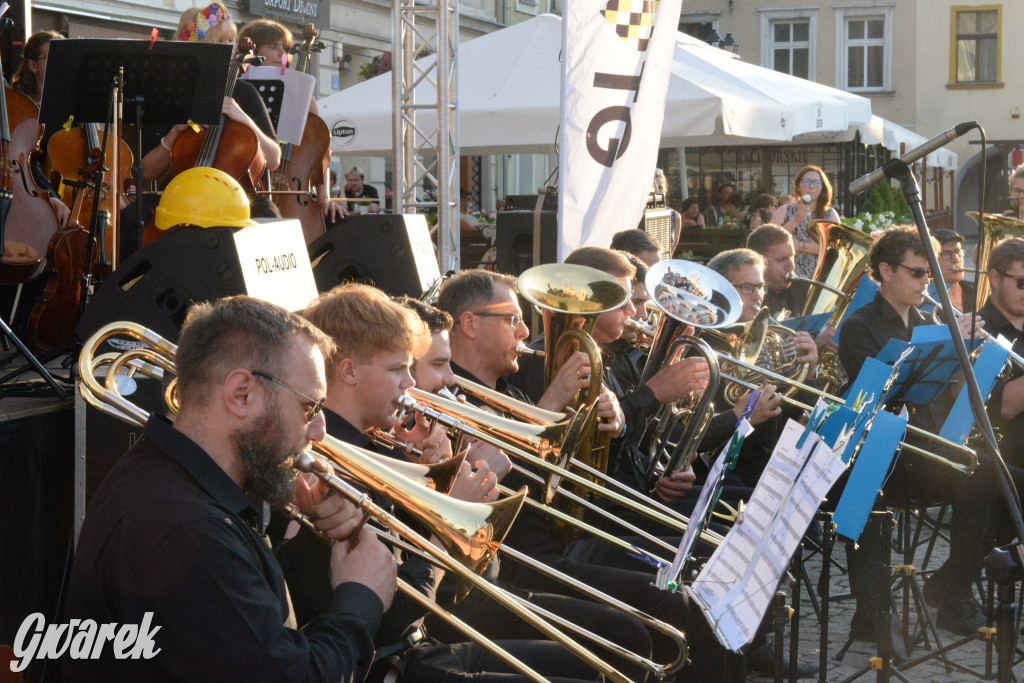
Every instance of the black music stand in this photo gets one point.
(165, 83)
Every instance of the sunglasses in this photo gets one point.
(313, 406)
(514, 318)
(916, 273)
(1018, 279)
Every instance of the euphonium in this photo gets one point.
(571, 298)
(686, 294)
(994, 228)
(745, 342)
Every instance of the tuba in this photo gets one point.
(841, 264)
(993, 229)
(685, 294)
(571, 297)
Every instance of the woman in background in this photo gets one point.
(814, 190)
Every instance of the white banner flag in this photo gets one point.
(616, 58)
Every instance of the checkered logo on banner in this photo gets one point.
(633, 20)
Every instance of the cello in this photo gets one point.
(304, 166)
(228, 146)
(27, 219)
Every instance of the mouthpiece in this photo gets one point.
(958, 269)
(806, 199)
(524, 350)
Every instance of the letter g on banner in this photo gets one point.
(616, 146)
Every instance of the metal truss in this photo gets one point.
(426, 163)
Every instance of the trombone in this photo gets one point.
(970, 455)
(1014, 358)
(518, 440)
(470, 531)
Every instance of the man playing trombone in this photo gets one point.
(896, 261)
(486, 356)
(377, 340)
(176, 530)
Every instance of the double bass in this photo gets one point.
(304, 166)
(27, 219)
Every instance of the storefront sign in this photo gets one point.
(293, 11)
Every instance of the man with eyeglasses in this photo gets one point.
(1016, 183)
(897, 262)
(176, 531)
(377, 340)
(486, 355)
(951, 263)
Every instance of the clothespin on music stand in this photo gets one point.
(748, 410)
(661, 580)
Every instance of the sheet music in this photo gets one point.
(704, 502)
(736, 586)
(293, 105)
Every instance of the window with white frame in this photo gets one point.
(788, 39)
(864, 48)
(791, 47)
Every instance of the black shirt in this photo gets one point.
(790, 299)
(169, 532)
(369, 191)
(1012, 430)
(868, 329)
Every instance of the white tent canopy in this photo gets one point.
(509, 84)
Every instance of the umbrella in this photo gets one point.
(509, 98)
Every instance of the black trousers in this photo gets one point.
(469, 662)
(482, 613)
(915, 478)
(583, 560)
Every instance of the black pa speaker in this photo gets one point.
(156, 286)
(389, 251)
(514, 240)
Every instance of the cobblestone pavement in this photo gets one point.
(971, 655)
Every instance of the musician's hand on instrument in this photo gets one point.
(806, 349)
(234, 112)
(675, 485)
(964, 323)
(679, 378)
(480, 486)
(333, 211)
(570, 378)
(766, 408)
(825, 338)
(433, 441)
(610, 412)
(369, 563)
(333, 515)
(495, 458)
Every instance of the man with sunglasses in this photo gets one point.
(176, 531)
(897, 262)
(1004, 315)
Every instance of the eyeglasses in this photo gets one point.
(950, 255)
(748, 288)
(1019, 279)
(916, 273)
(313, 408)
(515, 319)
(810, 183)
(1016, 192)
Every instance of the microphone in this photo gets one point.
(941, 140)
(806, 199)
